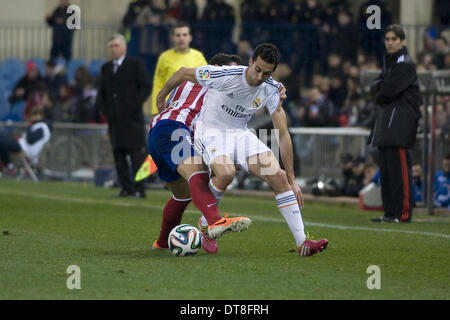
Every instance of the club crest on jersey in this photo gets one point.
(204, 74)
(257, 103)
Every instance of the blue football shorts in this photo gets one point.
(169, 143)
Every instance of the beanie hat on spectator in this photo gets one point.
(30, 66)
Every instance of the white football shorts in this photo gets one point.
(237, 144)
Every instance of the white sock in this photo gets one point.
(218, 194)
(288, 206)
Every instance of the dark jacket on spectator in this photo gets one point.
(397, 97)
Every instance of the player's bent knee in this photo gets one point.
(179, 188)
(225, 175)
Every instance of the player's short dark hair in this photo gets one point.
(222, 59)
(179, 24)
(397, 30)
(267, 52)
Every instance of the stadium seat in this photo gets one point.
(72, 67)
(14, 65)
(95, 66)
(13, 70)
(16, 113)
(4, 104)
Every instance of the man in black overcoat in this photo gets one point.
(124, 86)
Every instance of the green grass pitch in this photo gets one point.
(49, 226)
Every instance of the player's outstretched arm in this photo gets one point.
(183, 74)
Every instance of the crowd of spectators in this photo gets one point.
(59, 99)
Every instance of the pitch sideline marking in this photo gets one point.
(255, 217)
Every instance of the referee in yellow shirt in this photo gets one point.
(173, 59)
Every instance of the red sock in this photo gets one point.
(202, 197)
(172, 214)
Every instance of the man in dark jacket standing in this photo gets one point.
(124, 86)
(62, 39)
(397, 97)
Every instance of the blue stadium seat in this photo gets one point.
(95, 66)
(4, 104)
(72, 67)
(15, 65)
(16, 113)
(13, 70)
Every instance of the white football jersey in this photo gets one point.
(230, 101)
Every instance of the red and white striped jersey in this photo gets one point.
(184, 104)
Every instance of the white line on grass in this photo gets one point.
(254, 217)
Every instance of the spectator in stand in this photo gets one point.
(221, 15)
(447, 62)
(82, 79)
(244, 51)
(31, 82)
(188, 11)
(284, 74)
(307, 41)
(249, 16)
(218, 11)
(442, 185)
(134, 10)
(334, 61)
(84, 94)
(426, 62)
(417, 177)
(440, 51)
(316, 110)
(55, 77)
(338, 90)
(156, 13)
(62, 36)
(324, 86)
(39, 100)
(346, 33)
(62, 109)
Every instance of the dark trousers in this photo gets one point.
(8, 144)
(396, 182)
(61, 43)
(126, 174)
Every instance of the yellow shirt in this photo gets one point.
(168, 63)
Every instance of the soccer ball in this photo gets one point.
(185, 240)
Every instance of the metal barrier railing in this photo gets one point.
(75, 151)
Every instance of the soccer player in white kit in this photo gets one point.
(234, 95)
